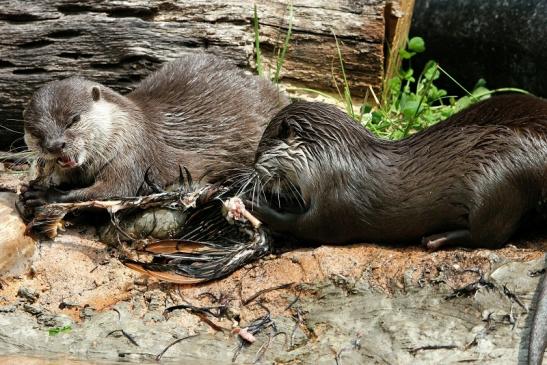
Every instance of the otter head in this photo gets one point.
(282, 162)
(67, 120)
(306, 148)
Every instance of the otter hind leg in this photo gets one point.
(492, 224)
(436, 241)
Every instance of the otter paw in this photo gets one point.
(276, 221)
(33, 196)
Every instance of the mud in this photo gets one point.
(347, 305)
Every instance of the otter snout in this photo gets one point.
(55, 146)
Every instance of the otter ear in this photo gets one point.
(285, 130)
(95, 93)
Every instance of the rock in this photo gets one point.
(7, 308)
(87, 312)
(16, 248)
(28, 294)
(33, 309)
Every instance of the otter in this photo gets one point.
(469, 180)
(199, 111)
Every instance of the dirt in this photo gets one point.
(362, 303)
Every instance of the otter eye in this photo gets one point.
(74, 119)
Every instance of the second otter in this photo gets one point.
(199, 112)
(468, 180)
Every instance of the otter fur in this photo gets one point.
(468, 180)
(199, 112)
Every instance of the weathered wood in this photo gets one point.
(119, 42)
(398, 20)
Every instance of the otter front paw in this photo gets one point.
(274, 220)
(34, 196)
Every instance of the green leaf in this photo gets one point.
(56, 330)
(376, 117)
(430, 71)
(481, 93)
(462, 103)
(407, 74)
(480, 83)
(365, 109)
(405, 54)
(416, 44)
(409, 105)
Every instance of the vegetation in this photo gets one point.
(412, 102)
(54, 331)
(280, 52)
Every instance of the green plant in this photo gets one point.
(281, 53)
(54, 331)
(413, 104)
(346, 97)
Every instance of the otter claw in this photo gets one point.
(185, 178)
(152, 185)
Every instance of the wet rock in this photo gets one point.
(87, 312)
(55, 321)
(8, 308)
(155, 299)
(35, 310)
(28, 294)
(17, 248)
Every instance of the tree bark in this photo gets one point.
(118, 42)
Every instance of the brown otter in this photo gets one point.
(199, 112)
(468, 180)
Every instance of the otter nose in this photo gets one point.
(55, 146)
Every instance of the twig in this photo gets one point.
(432, 347)
(205, 310)
(158, 357)
(513, 297)
(293, 302)
(127, 335)
(263, 291)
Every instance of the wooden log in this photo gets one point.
(119, 42)
(398, 20)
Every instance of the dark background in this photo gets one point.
(502, 41)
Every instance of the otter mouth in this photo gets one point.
(66, 162)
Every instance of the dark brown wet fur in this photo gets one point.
(199, 112)
(468, 180)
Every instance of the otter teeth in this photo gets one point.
(66, 162)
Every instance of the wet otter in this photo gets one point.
(468, 180)
(199, 112)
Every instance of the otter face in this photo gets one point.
(281, 166)
(66, 119)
